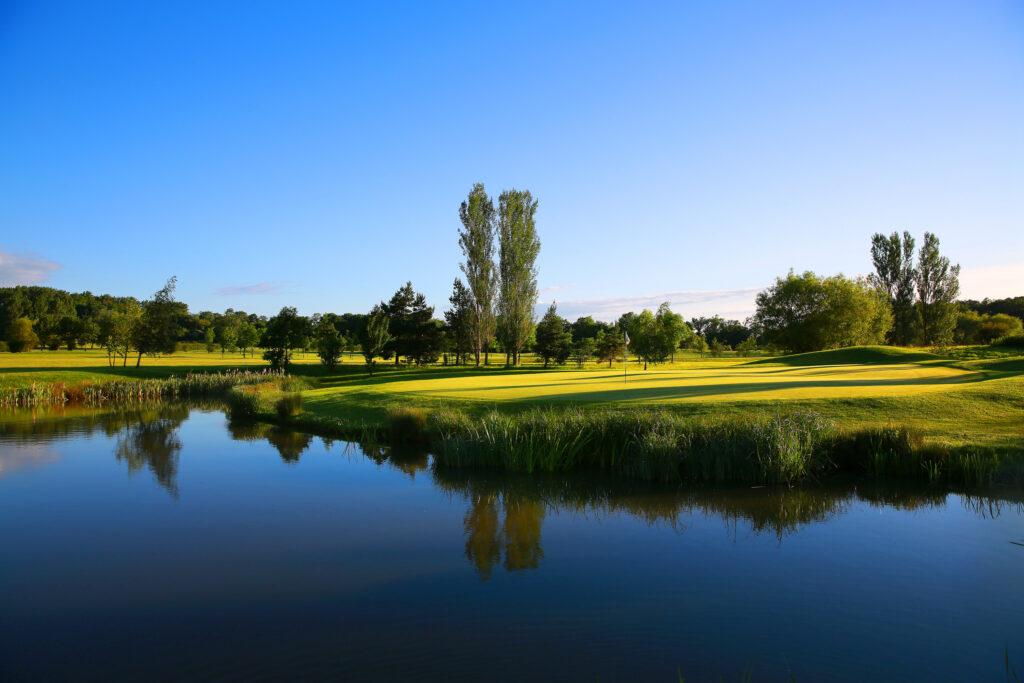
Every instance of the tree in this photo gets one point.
(69, 329)
(284, 332)
(643, 337)
(747, 346)
(374, 336)
(717, 348)
(227, 333)
(329, 344)
(460, 319)
(208, 339)
(587, 328)
(609, 343)
(670, 331)
(517, 271)
(156, 330)
(938, 284)
(115, 334)
(554, 337)
(248, 337)
(729, 332)
(895, 274)
(699, 344)
(89, 330)
(972, 328)
(477, 242)
(807, 313)
(582, 350)
(20, 336)
(413, 334)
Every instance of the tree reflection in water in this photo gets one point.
(152, 442)
(516, 537)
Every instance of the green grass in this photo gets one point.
(961, 400)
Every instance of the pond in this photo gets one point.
(168, 544)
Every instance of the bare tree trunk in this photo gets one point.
(138, 361)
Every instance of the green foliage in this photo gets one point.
(476, 240)
(374, 337)
(1011, 341)
(407, 426)
(329, 344)
(20, 336)
(729, 332)
(699, 344)
(462, 330)
(640, 444)
(747, 346)
(895, 274)
(156, 330)
(414, 333)
(807, 313)
(609, 345)
(554, 337)
(583, 350)
(975, 328)
(517, 256)
(285, 331)
(717, 348)
(938, 284)
(208, 339)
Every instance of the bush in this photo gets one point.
(1015, 341)
(288, 405)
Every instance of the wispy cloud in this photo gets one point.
(555, 288)
(729, 303)
(261, 288)
(994, 282)
(24, 269)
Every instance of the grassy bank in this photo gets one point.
(120, 391)
(876, 410)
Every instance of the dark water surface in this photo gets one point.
(170, 545)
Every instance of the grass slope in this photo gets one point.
(855, 355)
(956, 401)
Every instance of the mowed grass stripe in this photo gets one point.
(740, 381)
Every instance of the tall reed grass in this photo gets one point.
(192, 385)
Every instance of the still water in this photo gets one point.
(170, 545)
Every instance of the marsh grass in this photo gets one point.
(192, 385)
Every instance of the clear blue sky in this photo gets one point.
(315, 154)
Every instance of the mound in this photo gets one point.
(854, 355)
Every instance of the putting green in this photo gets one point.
(701, 382)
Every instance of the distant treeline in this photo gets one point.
(910, 299)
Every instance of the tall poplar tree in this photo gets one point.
(938, 285)
(895, 275)
(477, 241)
(517, 292)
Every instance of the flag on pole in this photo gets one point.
(627, 338)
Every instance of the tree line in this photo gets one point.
(909, 299)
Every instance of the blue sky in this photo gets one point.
(315, 154)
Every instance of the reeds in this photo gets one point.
(192, 385)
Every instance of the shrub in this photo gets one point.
(288, 405)
(1013, 341)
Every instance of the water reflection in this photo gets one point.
(153, 443)
(504, 513)
(503, 526)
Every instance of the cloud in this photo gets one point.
(24, 269)
(993, 282)
(261, 288)
(556, 288)
(728, 303)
